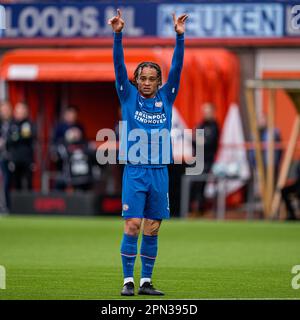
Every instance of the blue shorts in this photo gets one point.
(145, 193)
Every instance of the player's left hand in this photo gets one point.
(179, 23)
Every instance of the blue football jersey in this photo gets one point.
(146, 128)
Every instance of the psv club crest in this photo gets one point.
(158, 104)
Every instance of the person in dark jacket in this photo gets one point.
(289, 190)
(20, 145)
(72, 153)
(69, 128)
(5, 122)
(211, 140)
(66, 131)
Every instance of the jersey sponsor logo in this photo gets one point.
(152, 118)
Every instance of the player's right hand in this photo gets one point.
(117, 23)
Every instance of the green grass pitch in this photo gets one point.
(78, 258)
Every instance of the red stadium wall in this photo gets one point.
(97, 103)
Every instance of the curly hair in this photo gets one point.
(148, 64)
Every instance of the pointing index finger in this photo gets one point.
(119, 13)
(174, 17)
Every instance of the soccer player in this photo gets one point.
(145, 104)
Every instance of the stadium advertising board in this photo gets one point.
(75, 20)
(227, 20)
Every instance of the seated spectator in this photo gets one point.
(69, 128)
(20, 145)
(73, 156)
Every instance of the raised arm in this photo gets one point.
(177, 61)
(117, 24)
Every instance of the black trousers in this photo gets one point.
(22, 176)
(286, 192)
